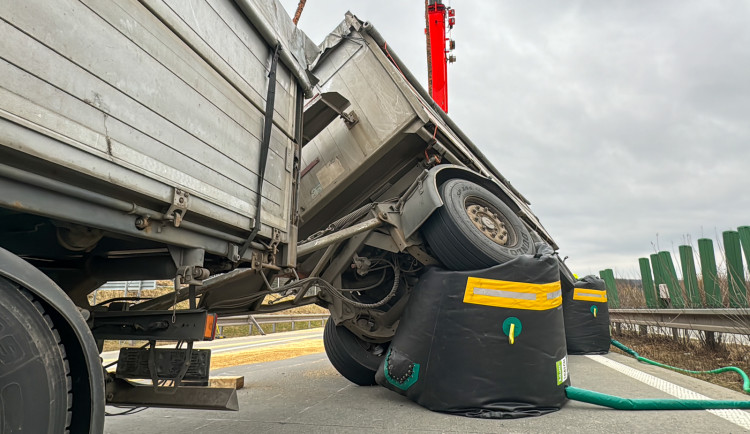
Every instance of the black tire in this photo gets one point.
(35, 382)
(455, 238)
(355, 359)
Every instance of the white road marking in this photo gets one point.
(737, 417)
(260, 344)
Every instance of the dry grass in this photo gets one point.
(269, 354)
(692, 355)
(631, 296)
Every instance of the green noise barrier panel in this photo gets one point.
(735, 270)
(649, 290)
(669, 274)
(609, 280)
(744, 232)
(708, 273)
(689, 278)
(659, 280)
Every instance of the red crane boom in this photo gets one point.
(439, 19)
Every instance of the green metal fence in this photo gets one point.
(696, 287)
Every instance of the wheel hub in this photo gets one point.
(488, 223)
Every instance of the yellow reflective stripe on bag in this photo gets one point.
(513, 295)
(585, 294)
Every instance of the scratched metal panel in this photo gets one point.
(385, 117)
(121, 91)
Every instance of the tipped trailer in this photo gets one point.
(211, 143)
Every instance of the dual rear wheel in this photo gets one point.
(35, 381)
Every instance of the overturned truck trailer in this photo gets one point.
(395, 170)
(159, 139)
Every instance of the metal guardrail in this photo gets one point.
(125, 286)
(128, 285)
(710, 320)
(257, 320)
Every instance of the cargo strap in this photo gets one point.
(513, 295)
(264, 146)
(585, 294)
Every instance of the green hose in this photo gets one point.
(745, 379)
(619, 403)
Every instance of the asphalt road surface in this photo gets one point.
(306, 395)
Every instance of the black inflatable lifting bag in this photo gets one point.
(459, 356)
(585, 333)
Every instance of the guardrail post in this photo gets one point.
(735, 270)
(648, 284)
(609, 280)
(708, 273)
(689, 278)
(254, 322)
(670, 278)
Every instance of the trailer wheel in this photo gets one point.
(474, 228)
(355, 359)
(35, 382)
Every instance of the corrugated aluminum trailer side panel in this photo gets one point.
(137, 99)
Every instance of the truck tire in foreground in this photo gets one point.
(35, 370)
(475, 229)
(355, 359)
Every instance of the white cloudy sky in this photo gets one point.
(625, 123)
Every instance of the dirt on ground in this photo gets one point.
(269, 354)
(692, 355)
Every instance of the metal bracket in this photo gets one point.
(256, 261)
(234, 253)
(189, 264)
(177, 210)
(124, 393)
(192, 275)
(350, 119)
(275, 240)
(422, 256)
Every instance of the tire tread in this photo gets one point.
(453, 246)
(56, 335)
(345, 363)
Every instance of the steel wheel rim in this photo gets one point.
(489, 221)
